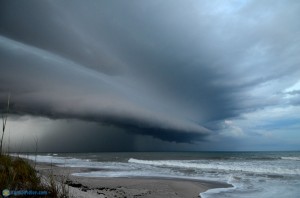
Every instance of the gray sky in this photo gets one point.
(151, 75)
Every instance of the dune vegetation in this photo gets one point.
(17, 174)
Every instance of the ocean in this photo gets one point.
(252, 174)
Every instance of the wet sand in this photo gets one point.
(134, 187)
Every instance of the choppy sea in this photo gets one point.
(252, 174)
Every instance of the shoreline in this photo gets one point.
(129, 187)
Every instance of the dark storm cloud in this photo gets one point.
(62, 89)
(156, 68)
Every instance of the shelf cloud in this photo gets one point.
(172, 71)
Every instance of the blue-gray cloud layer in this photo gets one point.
(161, 68)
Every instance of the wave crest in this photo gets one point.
(220, 166)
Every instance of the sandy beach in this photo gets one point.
(87, 187)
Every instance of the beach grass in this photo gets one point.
(17, 174)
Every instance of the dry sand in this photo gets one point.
(87, 187)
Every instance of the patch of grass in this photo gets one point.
(18, 174)
(15, 173)
(57, 185)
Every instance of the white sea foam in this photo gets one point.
(214, 191)
(123, 173)
(51, 159)
(291, 158)
(257, 168)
